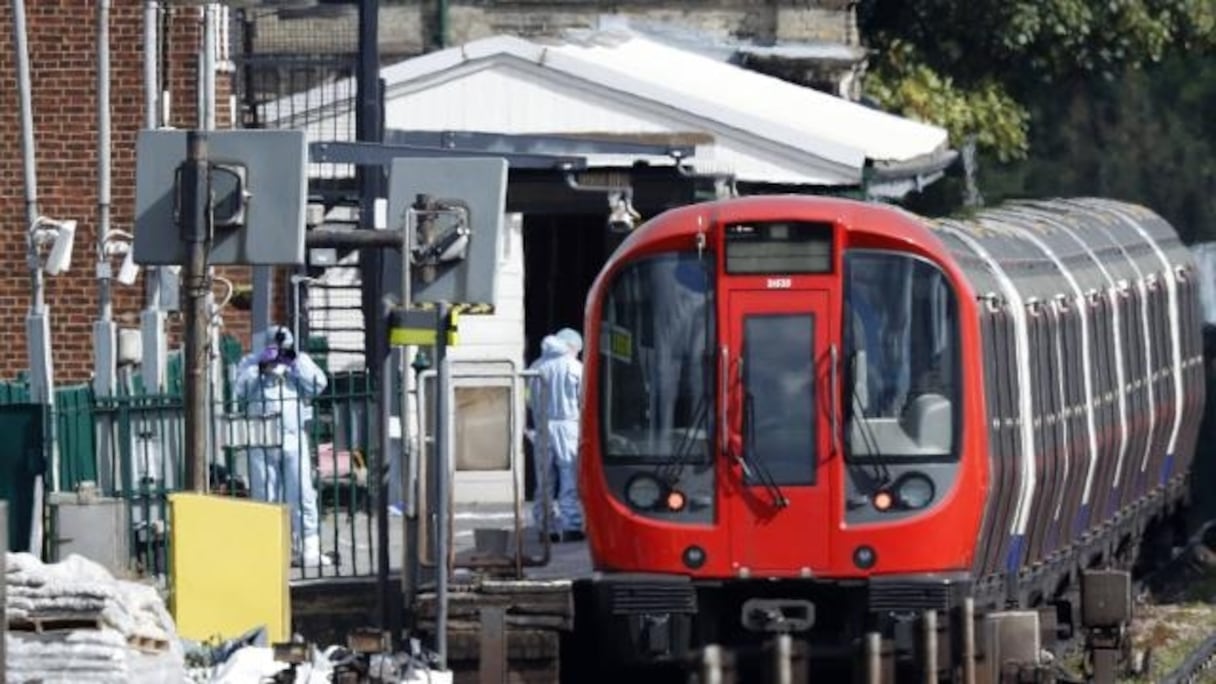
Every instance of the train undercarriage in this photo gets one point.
(884, 629)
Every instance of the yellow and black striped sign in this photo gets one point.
(419, 327)
(465, 308)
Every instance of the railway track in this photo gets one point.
(781, 662)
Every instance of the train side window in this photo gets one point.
(901, 348)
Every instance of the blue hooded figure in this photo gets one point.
(278, 381)
(553, 398)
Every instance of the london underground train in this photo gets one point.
(826, 418)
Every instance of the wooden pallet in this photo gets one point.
(55, 622)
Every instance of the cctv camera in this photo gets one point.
(129, 271)
(60, 258)
(619, 225)
(623, 217)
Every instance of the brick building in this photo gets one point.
(62, 46)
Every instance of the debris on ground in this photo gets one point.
(248, 658)
(73, 621)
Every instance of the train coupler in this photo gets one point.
(785, 616)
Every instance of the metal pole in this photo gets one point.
(105, 353)
(969, 640)
(3, 593)
(929, 624)
(297, 283)
(104, 356)
(151, 64)
(443, 443)
(196, 233)
(380, 471)
(213, 373)
(263, 298)
(411, 491)
(103, 156)
(152, 319)
(873, 658)
(208, 80)
(27, 151)
(369, 128)
(783, 653)
(711, 664)
(37, 325)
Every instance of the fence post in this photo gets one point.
(3, 594)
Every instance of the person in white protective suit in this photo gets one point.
(554, 400)
(278, 380)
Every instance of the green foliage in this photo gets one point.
(1146, 137)
(972, 65)
(905, 85)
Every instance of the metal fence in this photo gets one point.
(132, 446)
(253, 455)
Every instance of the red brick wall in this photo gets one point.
(63, 69)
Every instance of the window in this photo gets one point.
(779, 404)
(901, 350)
(656, 360)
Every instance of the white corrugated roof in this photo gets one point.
(764, 129)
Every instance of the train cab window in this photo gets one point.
(656, 364)
(901, 350)
(779, 396)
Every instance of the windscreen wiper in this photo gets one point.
(753, 468)
(880, 475)
(670, 472)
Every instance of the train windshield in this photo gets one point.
(901, 346)
(656, 391)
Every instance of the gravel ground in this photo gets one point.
(1172, 618)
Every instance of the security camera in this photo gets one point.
(60, 258)
(622, 218)
(129, 271)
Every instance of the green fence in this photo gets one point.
(77, 436)
(144, 438)
(132, 446)
(21, 462)
(74, 424)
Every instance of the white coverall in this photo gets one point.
(556, 443)
(285, 474)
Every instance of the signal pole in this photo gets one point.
(195, 225)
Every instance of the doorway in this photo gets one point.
(563, 254)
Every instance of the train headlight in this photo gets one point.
(644, 492)
(914, 490)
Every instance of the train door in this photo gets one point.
(778, 389)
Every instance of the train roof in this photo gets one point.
(1045, 246)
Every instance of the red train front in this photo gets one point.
(785, 427)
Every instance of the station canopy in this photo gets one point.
(621, 85)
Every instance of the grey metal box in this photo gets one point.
(94, 527)
(481, 183)
(274, 162)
